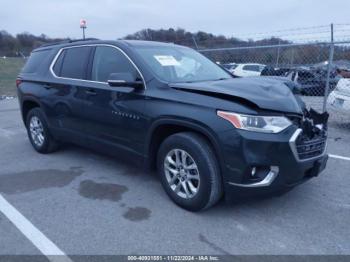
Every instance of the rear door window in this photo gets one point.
(74, 62)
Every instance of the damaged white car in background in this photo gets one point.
(339, 99)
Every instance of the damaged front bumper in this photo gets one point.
(264, 163)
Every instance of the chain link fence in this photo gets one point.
(320, 71)
(314, 60)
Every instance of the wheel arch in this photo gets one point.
(27, 105)
(161, 129)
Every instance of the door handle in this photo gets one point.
(91, 92)
(47, 86)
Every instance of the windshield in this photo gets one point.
(176, 64)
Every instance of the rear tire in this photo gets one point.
(189, 171)
(39, 133)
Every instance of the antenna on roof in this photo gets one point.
(83, 26)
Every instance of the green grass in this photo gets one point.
(9, 69)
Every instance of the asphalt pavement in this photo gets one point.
(83, 203)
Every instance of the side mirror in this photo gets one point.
(124, 80)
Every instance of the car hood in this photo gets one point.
(293, 86)
(263, 93)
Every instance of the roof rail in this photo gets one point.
(56, 43)
(67, 41)
(86, 39)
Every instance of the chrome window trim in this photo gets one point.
(91, 81)
(293, 147)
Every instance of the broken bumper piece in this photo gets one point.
(276, 162)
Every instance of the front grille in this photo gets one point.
(309, 148)
(310, 139)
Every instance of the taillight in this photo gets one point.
(18, 82)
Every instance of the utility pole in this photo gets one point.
(329, 68)
(83, 26)
(278, 53)
(292, 60)
(194, 41)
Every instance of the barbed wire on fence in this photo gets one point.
(315, 34)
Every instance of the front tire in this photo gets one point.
(38, 132)
(189, 171)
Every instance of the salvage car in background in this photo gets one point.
(272, 71)
(339, 99)
(244, 70)
(313, 82)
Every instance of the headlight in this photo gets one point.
(266, 124)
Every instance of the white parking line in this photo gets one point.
(6, 133)
(339, 157)
(11, 132)
(45, 245)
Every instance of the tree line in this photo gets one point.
(199, 40)
(22, 44)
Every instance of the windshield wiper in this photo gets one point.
(209, 80)
(220, 79)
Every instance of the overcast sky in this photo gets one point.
(111, 19)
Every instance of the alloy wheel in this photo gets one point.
(182, 173)
(36, 130)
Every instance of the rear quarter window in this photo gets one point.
(35, 60)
